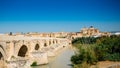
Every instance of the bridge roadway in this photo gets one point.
(22, 51)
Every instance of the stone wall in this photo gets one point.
(11, 46)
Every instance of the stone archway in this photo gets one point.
(53, 41)
(23, 50)
(1, 56)
(45, 44)
(2, 53)
(37, 47)
(1, 60)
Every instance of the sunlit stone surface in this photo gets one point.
(22, 51)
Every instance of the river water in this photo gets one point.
(61, 60)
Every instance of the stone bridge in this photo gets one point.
(19, 51)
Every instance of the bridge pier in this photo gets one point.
(39, 57)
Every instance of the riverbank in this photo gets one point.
(109, 64)
(106, 64)
(91, 51)
(61, 60)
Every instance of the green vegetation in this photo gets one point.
(90, 50)
(34, 63)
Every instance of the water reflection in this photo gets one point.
(62, 60)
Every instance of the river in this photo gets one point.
(62, 60)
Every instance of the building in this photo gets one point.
(89, 32)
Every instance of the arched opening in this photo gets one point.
(1, 60)
(23, 50)
(45, 45)
(2, 53)
(72, 37)
(37, 46)
(1, 56)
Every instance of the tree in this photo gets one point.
(10, 33)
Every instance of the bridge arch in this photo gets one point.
(53, 42)
(22, 51)
(2, 53)
(45, 44)
(37, 46)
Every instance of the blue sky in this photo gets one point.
(58, 15)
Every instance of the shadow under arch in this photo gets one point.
(53, 41)
(2, 53)
(37, 47)
(23, 50)
(45, 44)
(1, 56)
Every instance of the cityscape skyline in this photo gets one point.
(58, 15)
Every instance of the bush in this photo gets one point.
(113, 57)
(90, 50)
(85, 55)
(34, 63)
(82, 65)
(84, 40)
(108, 49)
